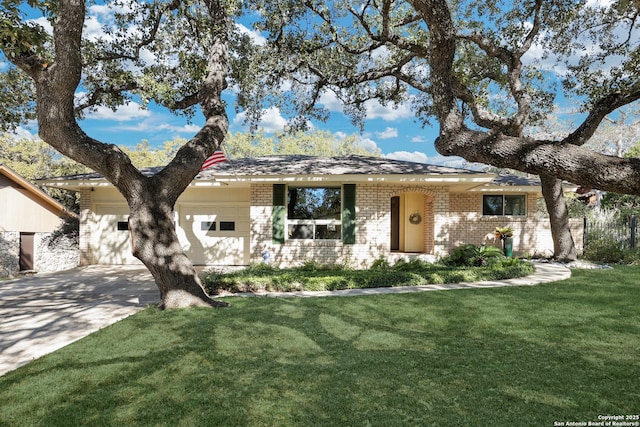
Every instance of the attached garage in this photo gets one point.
(214, 235)
(212, 224)
(110, 242)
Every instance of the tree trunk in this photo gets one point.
(155, 243)
(564, 248)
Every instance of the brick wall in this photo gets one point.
(532, 234)
(450, 219)
(373, 222)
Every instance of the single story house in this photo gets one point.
(292, 208)
(28, 217)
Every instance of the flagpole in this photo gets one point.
(233, 169)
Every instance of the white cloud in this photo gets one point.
(330, 101)
(22, 133)
(272, 120)
(599, 3)
(420, 157)
(419, 138)
(388, 113)
(186, 128)
(374, 109)
(101, 11)
(368, 144)
(93, 29)
(130, 111)
(388, 133)
(415, 156)
(257, 38)
(44, 23)
(340, 135)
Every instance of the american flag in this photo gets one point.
(217, 157)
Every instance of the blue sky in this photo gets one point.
(394, 131)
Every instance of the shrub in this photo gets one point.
(316, 277)
(380, 264)
(473, 256)
(610, 251)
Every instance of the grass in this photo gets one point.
(526, 356)
(317, 277)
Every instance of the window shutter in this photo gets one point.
(349, 214)
(279, 210)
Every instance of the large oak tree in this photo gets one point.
(175, 53)
(484, 70)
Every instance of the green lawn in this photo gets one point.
(526, 356)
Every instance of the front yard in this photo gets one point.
(558, 352)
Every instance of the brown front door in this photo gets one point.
(26, 251)
(395, 223)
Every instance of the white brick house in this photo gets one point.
(290, 209)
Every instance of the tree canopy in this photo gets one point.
(318, 143)
(482, 70)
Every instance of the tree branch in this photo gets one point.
(565, 161)
(442, 48)
(604, 106)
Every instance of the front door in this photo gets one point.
(395, 223)
(407, 223)
(26, 251)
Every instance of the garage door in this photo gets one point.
(214, 235)
(110, 242)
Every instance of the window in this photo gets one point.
(314, 213)
(227, 226)
(208, 226)
(513, 205)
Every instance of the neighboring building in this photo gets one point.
(28, 217)
(290, 209)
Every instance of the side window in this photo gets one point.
(501, 205)
(492, 205)
(514, 205)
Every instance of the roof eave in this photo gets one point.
(37, 193)
(372, 178)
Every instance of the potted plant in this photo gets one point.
(505, 234)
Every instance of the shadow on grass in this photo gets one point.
(521, 356)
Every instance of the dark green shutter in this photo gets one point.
(349, 214)
(279, 210)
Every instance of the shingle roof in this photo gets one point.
(313, 165)
(308, 165)
(301, 165)
(515, 180)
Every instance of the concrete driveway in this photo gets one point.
(42, 313)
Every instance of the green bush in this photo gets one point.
(474, 256)
(610, 251)
(317, 277)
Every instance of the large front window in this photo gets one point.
(314, 213)
(504, 205)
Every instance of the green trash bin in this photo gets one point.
(507, 246)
